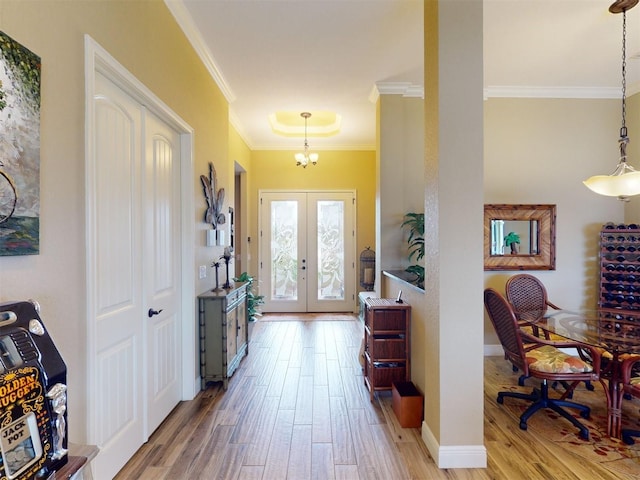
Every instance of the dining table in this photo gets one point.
(615, 333)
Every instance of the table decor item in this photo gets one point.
(216, 265)
(227, 260)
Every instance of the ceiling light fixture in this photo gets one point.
(624, 182)
(303, 159)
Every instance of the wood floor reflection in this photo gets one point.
(297, 409)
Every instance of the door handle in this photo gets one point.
(153, 312)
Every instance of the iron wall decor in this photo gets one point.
(214, 197)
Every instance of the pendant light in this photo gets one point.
(303, 159)
(624, 182)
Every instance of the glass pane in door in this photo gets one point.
(330, 249)
(284, 250)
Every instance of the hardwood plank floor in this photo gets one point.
(297, 409)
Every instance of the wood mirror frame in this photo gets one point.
(544, 256)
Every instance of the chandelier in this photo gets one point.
(625, 180)
(303, 158)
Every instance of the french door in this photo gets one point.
(307, 251)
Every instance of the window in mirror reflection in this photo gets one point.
(514, 237)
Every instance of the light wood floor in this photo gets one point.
(297, 409)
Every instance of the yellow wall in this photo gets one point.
(345, 170)
(240, 157)
(143, 36)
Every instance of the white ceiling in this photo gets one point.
(318, 55)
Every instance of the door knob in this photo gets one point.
(153, 312)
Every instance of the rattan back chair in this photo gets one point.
(528, 296)
(631, 384)
(538, 358)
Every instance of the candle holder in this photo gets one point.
(216, 265)
(227, 260)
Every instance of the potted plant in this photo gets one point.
(512, 240)
(415, 223)
(253, 300)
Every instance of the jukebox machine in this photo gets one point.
(33, 398)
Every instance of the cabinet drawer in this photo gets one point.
(387, 320)
(388, 347)
(235, 298)
(232, 298)
(383, 376)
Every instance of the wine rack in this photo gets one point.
(620, 267)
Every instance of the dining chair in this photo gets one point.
(528, 296)
(529, 299)
(541, 359)
(631, 384)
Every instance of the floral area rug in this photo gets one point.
(611, 453)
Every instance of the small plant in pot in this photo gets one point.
(512, 240)
(253, 300)
(415, 224)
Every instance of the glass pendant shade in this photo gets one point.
(624, 182)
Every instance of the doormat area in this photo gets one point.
(307, 317)
(611, 453)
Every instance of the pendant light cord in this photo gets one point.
(624, 139)
(306, 144)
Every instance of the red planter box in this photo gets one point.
(407, 404)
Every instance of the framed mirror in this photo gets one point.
(519, 237)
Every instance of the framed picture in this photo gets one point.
(19, 149)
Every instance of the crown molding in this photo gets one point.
(406, 89)
(556, 92)
(185, 21)
(237, 125)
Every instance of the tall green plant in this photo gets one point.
(414, 222)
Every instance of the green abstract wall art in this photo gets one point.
(19, 149)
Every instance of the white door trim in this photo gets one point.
(99, 60)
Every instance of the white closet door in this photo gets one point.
(161, 274)
(134, 355)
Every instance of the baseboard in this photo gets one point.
(197, 383)
(493, 350)
(457, 456)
